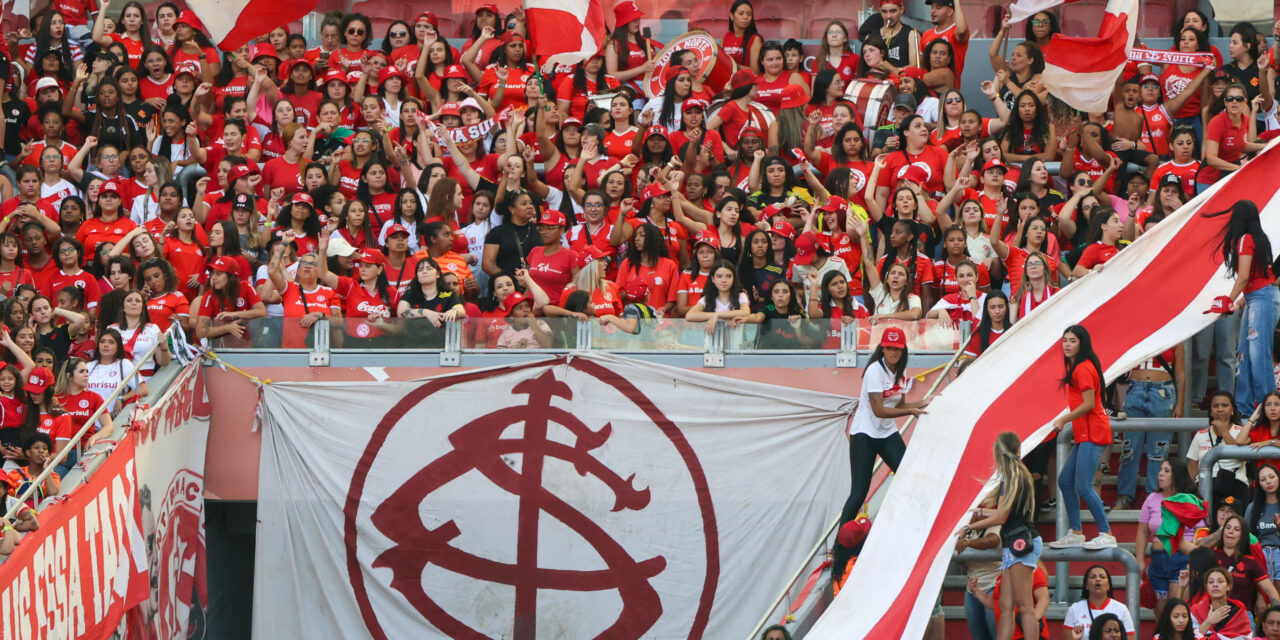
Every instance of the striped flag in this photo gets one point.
(1151, 295)
(564, 32)
(231, 23)
(1082, 71)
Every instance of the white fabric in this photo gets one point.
(1023, 9)
(889, 595)
(104, 378)
(775, 477)
(1078, 614)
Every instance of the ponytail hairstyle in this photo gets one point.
(1016, 479)
(877, 356)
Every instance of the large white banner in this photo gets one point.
(576, 497)
(172, 436)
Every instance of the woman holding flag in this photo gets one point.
(1165, 514)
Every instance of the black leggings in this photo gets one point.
(863, 450)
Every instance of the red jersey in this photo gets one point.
(1155, 128)
(9, 280)
(552, 272)
(661, 279)
(94, 231)
(82, 280)
(605, 301)
(76, 12)
(13, 412)
(948, 34)
(1186, 174)
(298, 303)
(923, 266)
(945, 276)
(692, 284)
(211, 304)
(1231, 139)
(359, 305)
(769, 93)
(847, 68)
(1173, 81)
(1095, 169)
(79, 407)
(188, 260)
(617, 145)
(1096, 254)
(932, 159)
(279, 173)
(149, 88)
(163, 310)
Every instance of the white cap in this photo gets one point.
(45, 83)
(338, 246)
(470, 102)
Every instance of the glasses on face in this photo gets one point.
(1234, 99)
(112, 156)
(1040, 22)
(1082, 183)
(593, 205)
(355, 32)
(954, 100)
(66, 250)
(308, 265)
(398, 34)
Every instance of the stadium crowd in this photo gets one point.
(153, 185)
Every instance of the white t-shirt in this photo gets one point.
(56, 193)
(886, 305)
(148, 338)
(878, 379)
(1079, 614)
(1202, 443)
(104, 378)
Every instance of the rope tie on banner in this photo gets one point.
(225, 366)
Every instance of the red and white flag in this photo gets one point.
(565, 31)
(1082, 71)
(1151, 295)
(231, 23)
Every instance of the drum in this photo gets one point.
(714, 65)
(761, 116)
(873, 100)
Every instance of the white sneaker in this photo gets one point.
(1071, 539)
(1103, 541)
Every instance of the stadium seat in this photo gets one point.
(1156, 18)
(819, 16)
(712, 17)
(777, 23)
(1082, 18)
(984, 17)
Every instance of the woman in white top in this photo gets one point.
(109, 368)
(874, 429)
(139, 334)
(54, 186)
(723, 299)
(1095, 601)
(890, 296)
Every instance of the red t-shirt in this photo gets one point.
(211, 303)
(1231, 139)
(359, 304)
(924, 270)
(554, 272)
(94, 231)
(164, 309)
(662, 280)
(79, 407)
(57, 428)
(1260, 274)
(83, 280)
(605, 301)
(76, 12)
(932, 159)
(949, 34)
(945, 276)
(279, 173)
(1096, 254)
(1185, 172)
(1094, 426)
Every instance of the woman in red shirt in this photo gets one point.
(1105, 232)
(369, 300)
(228, 304)
(1229, 136)
(629, 55)
(835, 53)
(573, 91)
(183, 251)
(356, 36)
(648, 266)
(166, 305)
(743, 43)
(1091, 429)
(74, 396)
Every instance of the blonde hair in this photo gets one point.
(1014, 476)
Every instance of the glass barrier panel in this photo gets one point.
(259, 334)
(559, 334)
(783, 334)
(650, 334)
(923, 336)
(396, 333)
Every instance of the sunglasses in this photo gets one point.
(954, 100)
(1040, 22)
(1234, 99)
(355, 32)
(398, 34)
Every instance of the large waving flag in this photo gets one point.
(1150, 296)
(231, 23)
(565, 31)
(1082, 71)
(1023, 9)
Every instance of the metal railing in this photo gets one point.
(1062, 557)
(1180, 426)
(1236, 452)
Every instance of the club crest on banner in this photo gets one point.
(564, 503)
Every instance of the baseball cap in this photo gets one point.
(45, 83)
(242, 201)
(783, 228)
(751, 131)
(995, 163)
(567, 122)
(334, 75)
(853, 532)
(1220, 75)
(590, 254)
(110, 186)
(836, 203)
(490, 7)
(469, 103)
(338, 246)
(906, 101)
(510, 36)
(514, 299)
(226, 265)
(915, 173)
(185, 68)
(793, 97)
(1222, 305)
(428, 17)
(652, 191)
(456, 71)
(772, 210)
(450, 109)
(671, 72)
(551, 218)
(897, 2)
(1149, 78)
(941, 3)
(371, 256)
(240, 171)
(396, 229)
(302, 197)
(806, 248)
(637, 290)
(694, 103)
(742, 78)
(1171, 180)
(389, 72)
(41, 378)
(709, 237)
(655, 130)
(912, 72)
(893, 337)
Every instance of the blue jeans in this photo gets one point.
(1076, 483)
(982, 621)
(1220, 337)
(1273, 561)
(1145, 400)
(1255, 373)
(1164, 569)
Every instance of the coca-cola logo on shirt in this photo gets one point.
(373, 310)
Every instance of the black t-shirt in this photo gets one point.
(1247, 76)
(16, 115)
(59, 340)
(116, 131)
(515, 243)
(140, 112)
(442, 302)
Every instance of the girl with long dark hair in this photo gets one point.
(1246, 252)
(873, 432)
(1264, 431)
(629, 54)
(1030, 134)
(227, 306)
(1091, 430)
(743, 42)
(1165, 563)
(995, 321)
(1263, 516)
(722, 299)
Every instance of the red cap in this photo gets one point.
(41, 378)
(263, 50)
(853, 532)
(226, 265)
(552, 218)
(773, 210)
(914, 173)
(240, 171)
(334, 75)
(995, 163)
(625, 13)
(570, 122)
(893, 337)
(428, 17)
(110, 186)
(671, 72)
(836, 203)
(450, 109)
(1149, 78)
(490, 7)
(304, 198)
(652, 191)
(751, 131)
(189, 18)
(793, 97)
(637, 290)
(186, 68)
(709, 237)
(514, 299)
(655, 130)
(510, 36)
(912, 72)
(742, 78)
(370, 256)
(806, 248)
(694, 103)
(897, 2)
(396, 229)
(590, 254)
(1222, 305)
(783, 228)
(456, 71)
(390, 72)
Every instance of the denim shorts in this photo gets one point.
(1007, 559)
(1164, 569)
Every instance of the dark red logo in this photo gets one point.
(529, 505)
